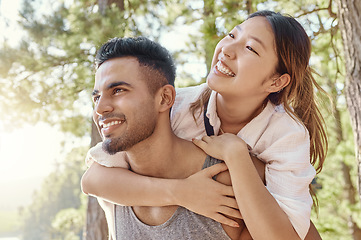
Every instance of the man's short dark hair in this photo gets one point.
(156, 60)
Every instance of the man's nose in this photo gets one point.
(103, 106)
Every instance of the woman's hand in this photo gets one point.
(221, 146)
(203, 195)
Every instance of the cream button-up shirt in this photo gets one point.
(273, 136)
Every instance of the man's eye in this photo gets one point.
(231, 35)
(118, 90)
(251, 49)
(96, 99)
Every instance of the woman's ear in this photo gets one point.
(280, 83)
(167, 97)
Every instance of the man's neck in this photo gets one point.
(164, 155)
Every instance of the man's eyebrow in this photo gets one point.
(253, 37)
(95, 92)
(116, 84)
(112, 85)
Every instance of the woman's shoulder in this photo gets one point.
(286, 122)
(187, 95)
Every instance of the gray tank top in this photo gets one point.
(184, 224)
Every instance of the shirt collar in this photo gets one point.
(256, 127)
(253, 130)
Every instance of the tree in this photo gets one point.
(60, 190)
(349, 15)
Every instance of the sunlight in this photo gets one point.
(9, 30)
(27, 156)
(28, 152)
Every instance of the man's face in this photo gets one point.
(124, 110)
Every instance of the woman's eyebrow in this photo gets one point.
(239, 28)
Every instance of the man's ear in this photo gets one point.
(167, 97)
(279, 83)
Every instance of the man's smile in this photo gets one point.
(108, 126)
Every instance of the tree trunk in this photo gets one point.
(349, 18)
(249, 7)
(96, 226)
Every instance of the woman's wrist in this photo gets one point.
(174, 191)
(236, 153)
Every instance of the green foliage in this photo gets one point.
(68, 223)
(58, 211)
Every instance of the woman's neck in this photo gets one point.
(236, 113)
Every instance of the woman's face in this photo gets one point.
(244, 62)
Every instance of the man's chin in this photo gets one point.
(110, 147)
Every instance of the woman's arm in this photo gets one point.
(257, 205)
(121, 186)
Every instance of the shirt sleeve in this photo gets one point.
(97, 154)
(288, 174)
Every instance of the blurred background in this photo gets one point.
(47, 50)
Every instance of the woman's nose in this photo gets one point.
(228, 51)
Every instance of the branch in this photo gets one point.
(328, 8)
(312, 11)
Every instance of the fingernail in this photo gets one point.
(235, 225)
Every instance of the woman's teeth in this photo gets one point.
(223, 69)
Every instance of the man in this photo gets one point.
(133, 94)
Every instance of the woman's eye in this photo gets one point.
(231, 35)
(251, 49)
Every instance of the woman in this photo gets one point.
(263, 92)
